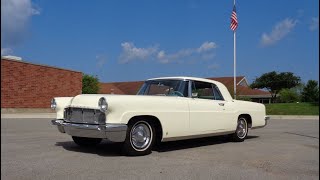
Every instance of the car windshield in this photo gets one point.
(165, 87)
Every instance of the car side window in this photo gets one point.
(202, 90)
(217, 93)
(205, 90)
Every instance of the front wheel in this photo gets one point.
(86, 142)
(242, 130)
(140, 138)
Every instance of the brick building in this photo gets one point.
(29, 85)
(26, 85)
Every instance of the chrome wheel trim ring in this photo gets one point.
(141, 136)
(241, 128)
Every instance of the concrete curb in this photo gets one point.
(294, 117)
(53, 115)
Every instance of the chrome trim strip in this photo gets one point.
(112, 132)
(168, 78)
(197, 136)
(190, 89)
(116, 127)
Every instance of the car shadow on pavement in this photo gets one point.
(107, 148)
(194, 143)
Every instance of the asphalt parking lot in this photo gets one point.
(284, 149)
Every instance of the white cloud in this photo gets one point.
(101, 60)
(162, 57)
(130, 52)
(167, 58)
(15, 16)
(279, 31)
(206, 46)
(6, 51)
(214, 66)
(202, 52)
(314, 24)
(208, 56)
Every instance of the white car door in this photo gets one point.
(209, 112)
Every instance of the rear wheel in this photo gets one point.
(140, 138)
(86, 142)
(242, 130)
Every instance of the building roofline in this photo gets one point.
(36, 64)
(245, 79)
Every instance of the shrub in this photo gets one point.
(90, 84)
(288, 96)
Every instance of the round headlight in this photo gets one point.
(53, 104)
(103, 105)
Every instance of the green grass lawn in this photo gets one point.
(292, 109)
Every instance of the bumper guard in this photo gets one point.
(112, 132)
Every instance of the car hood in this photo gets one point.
(91, 100)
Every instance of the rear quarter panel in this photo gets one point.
(257, 111)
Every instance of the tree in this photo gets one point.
(288, 96)
(274, 82)
(310, 92)
(298, 89)
(90, 84)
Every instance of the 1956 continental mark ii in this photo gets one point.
(164, 109)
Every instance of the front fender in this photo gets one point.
(62, 102)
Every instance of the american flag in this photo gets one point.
(234, 19)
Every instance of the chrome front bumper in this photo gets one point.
(112, 132)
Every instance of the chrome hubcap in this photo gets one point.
(242, 128)
(141, 136)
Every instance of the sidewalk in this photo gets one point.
(28, 115)
(53, 115)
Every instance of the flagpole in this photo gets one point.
(234, 65)
(234, 61)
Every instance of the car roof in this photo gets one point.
(223, 89)
(186, 78)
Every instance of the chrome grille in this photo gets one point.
(82, 115)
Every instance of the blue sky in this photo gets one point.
(123, 40)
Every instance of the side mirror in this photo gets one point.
(194, 95)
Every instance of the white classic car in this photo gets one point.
(164, 109)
